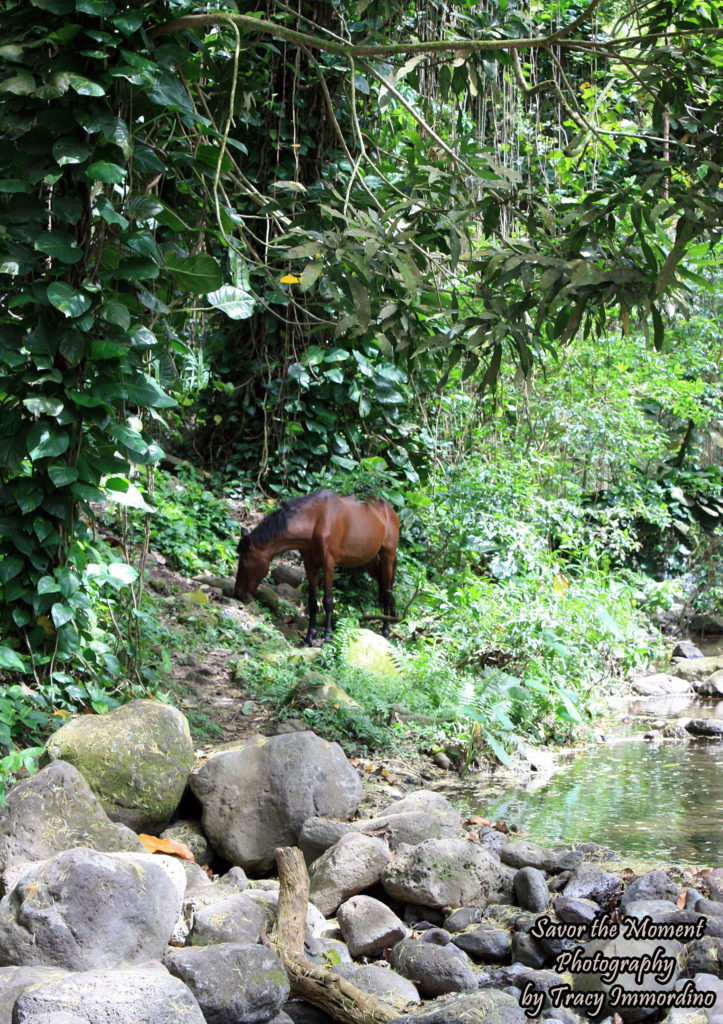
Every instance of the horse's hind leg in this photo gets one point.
(387, 569)
(312, 575)
(328, 601)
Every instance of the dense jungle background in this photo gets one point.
(462, 256)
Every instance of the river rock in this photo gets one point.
(55, 1017)
(520, 854)
(477, 1008)
(530, 889)
(233, 983)
(714, 882)
(137, 760)
(257, 795)
(353, 864)
(82, 909)
(446, 873)
(712, 727)
(232, 918)
(712, 686)
(53, 811)
(380, 981)
(528, 951)
(622, 947)
(317, 835)
(699, 668)
(145, 994)
(14, 980)
(572, 910)
(653, 885)
(191, 834)
(462, 918)
(420, 815)
(369, 926)
(703, 956)
(590, 882)
(686, 649)
(660, 684)
(433, 969)
(486, 942)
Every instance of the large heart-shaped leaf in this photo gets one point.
(197, 274)
(234, 302)
(68, 301)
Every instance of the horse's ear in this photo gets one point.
(244, 544)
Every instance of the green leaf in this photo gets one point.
(310, 274)
(197, 274)
(69, 302)
(59, 245)
(45, 441)
(68, 151)
(143, 391)
(61, 475)
(61, 614)
(11, 660)
(116, 313)
(10, 567)
(236, 303)
(22, 84)
(108, 173)
(84, 87)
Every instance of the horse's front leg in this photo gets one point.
(328, 597)
(312, 575)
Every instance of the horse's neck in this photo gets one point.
(279, 544)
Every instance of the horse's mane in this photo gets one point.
(274, 524)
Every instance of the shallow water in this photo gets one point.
(656, 800)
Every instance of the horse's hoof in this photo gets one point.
(309, 639)
(327, 637)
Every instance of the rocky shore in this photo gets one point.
(411, 915)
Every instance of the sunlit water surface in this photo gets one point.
(662, 801)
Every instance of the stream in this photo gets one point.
(657, 800)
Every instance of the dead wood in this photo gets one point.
(319, 986)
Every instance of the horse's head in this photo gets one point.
(253, 565)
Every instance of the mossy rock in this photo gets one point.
(372, 653)
(136, 759)
(315, 687)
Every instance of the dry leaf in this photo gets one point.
(475, 819)
(680, 902)
(155, 845)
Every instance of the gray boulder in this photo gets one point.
(486, 942)
(190, 833)
(145, 994)
(477, 1008)
(712, 727)
(660, 684)
(55, 1017)
(137, 760)
(653, 885)
(233, 918)
(712, 686)
(82, 909)
(420, 815)
(666, 953)
(317, 835)
(446, 873)
(257, 795)
(572, 910)
(233, 983)
(590, 882)
(55, 810)
(434, 969)
(699, 668)
(14, 980)
(530, 889)
(521, 854)
(369, 926)
(354, 863)
(380, 981)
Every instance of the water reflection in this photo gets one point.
(662, 801)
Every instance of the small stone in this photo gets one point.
(369, 926)
(530, 889)
(486, 942)
(433, 969)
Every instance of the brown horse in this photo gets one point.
(327, 530)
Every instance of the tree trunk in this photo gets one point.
(319, 986)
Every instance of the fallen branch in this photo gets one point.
(319, 986)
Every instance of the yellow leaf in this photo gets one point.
(290, 279)
(560, 584)
(217, 419)
(45, 623)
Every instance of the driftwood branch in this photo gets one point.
(319, 986)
